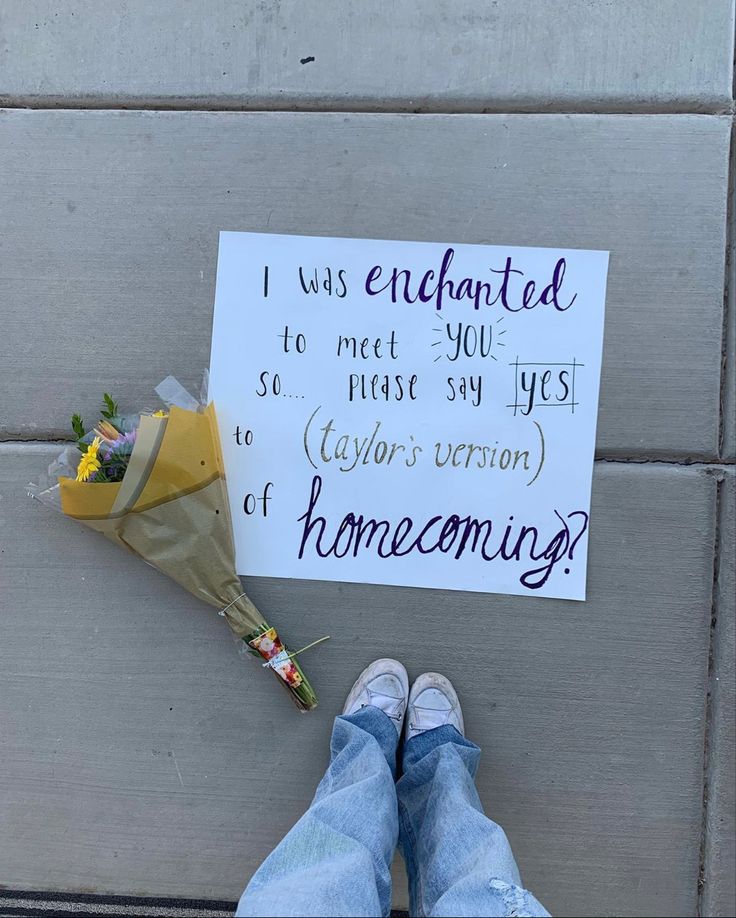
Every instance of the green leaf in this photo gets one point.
(78, 426)
(111, 471)
(111, 407)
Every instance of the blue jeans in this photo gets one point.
(337, 859)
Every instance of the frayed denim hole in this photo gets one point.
(514, 898)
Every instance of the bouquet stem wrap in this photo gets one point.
(171, 509)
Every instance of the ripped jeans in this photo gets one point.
(336, 860)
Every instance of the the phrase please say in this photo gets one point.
(410, 413)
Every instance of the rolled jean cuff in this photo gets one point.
(422, 744)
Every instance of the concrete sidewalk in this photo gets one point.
(131, 731)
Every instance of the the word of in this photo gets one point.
(251, 501)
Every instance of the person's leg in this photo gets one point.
(336, 860)
(459, 862)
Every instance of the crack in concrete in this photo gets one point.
(708, 716)
(357, 106)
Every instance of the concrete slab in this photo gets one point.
(590, 55)
(719, 879)
(108, 274)
(140, 755)
(728, 433)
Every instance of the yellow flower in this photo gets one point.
(89, 462)
(159, 414)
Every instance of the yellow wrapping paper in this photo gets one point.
(171, 509)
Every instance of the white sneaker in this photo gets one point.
(433, 702)
(385, 685)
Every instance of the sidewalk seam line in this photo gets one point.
(709, 703)
(194, 106)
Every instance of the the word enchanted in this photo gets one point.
(510, 288)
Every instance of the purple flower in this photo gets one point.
(126, 439)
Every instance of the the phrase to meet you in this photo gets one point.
(419, 414)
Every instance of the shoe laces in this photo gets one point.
(435, 717)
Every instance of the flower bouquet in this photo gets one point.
(154, 483)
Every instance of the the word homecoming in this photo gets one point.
(509, 287)
(450, 535)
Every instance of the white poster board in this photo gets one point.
(410, 413)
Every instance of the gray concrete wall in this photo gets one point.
(130, 729)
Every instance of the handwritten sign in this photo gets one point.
(410, 413)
